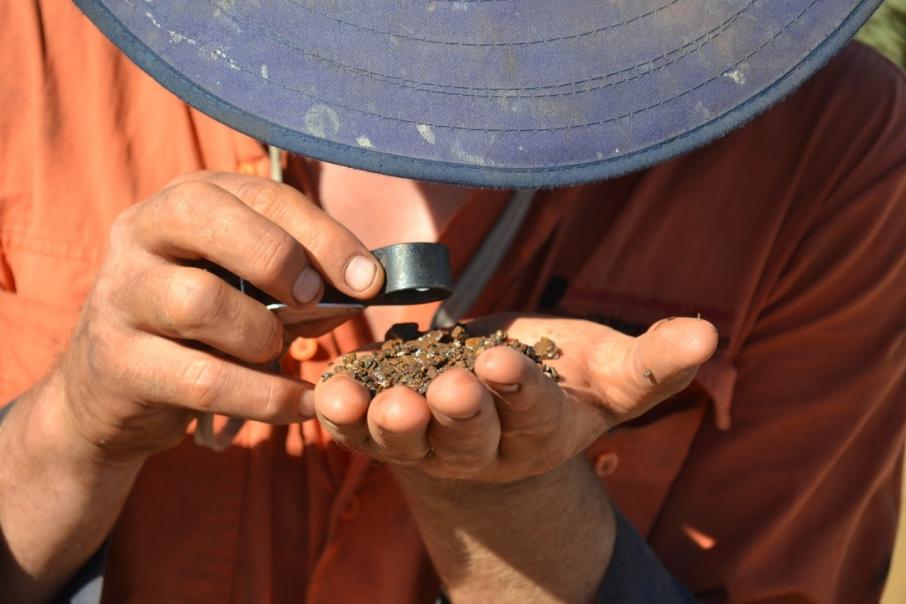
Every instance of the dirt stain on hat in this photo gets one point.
(322, 121)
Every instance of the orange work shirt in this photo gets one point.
(774, 477)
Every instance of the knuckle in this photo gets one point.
(203, 382)
(272, 342)
(324, 238)
(106, 290)
(193, 300)
(109, 361)
(262, 195)
(187, 201)
(121, 228)
(190, 177)
(275, 201)
(103, 352)
(280, 401)
(272, 255)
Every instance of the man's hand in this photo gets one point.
(489, 462)
(508, 420)
(134, 375)
(157, 342)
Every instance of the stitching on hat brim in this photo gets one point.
(509, 93)
(466, 174)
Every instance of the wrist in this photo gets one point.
(437, 491)
(60, 496)
(545, 538)
(45, 424)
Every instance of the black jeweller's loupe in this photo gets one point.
(414, 273)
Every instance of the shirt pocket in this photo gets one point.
(640, 461)
(45, 282)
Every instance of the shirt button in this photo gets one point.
(606, 464)
(351, 509)
(303, 349)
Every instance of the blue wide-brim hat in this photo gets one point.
(504, 93)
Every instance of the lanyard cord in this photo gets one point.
(480, 269)
(205, 435)
(486, 260)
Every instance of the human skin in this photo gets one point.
(133, 377)
(490, 462)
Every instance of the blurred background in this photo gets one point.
(886, 31)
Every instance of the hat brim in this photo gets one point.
(485, 93)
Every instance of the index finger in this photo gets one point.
(332, 249)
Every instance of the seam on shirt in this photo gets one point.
(18, 239)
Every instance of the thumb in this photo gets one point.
(637, 373)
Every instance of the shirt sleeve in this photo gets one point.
(635, 575)
(88, 583)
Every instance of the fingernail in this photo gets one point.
(504, 388)
(459, 418)
(360, 273)
(307, 286)
(308, 403)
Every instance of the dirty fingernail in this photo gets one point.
(360, 273)
(307, 286)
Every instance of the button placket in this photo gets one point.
(304, 349)
(351, 509)
(606, 463)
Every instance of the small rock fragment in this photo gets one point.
(545, 348)
(411, 358)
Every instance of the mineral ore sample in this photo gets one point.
(408, 357)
